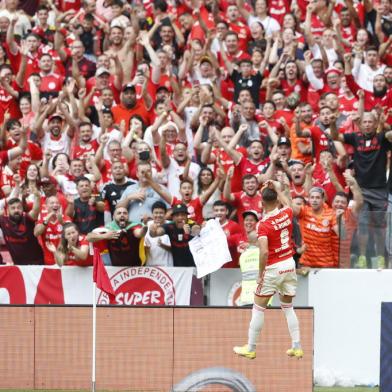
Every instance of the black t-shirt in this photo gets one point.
(182, 256)
(252, 84)
(370, 158)
(124, 252)
(21, 242)
(112, 192)
(86, 216)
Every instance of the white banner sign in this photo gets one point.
(73, 285)
(209, 249)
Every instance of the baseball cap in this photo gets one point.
(56, 115)
(102, 70)
(250, 212)
(284, 140)
(180, 208)
(129, 86)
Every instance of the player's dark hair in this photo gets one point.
(269, 195)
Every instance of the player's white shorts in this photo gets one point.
(280, 277)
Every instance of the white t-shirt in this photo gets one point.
(364, 75)
(173, 176)
(56, 146)
(158, 256)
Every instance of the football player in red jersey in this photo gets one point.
(277, 269)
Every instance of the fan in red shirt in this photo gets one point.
(194, 205)
(8, 92)
(50, 227)
(232, 230)
(86, 146)
(248, 199)
(32, 154)
(292, 83)
(73, 249)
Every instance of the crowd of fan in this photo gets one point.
(128, 124)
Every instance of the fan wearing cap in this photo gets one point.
(331, 82)
(131, 105)
(58, 135)
(244, 77)
(104, 79)
(242, 240)
(318, 225)
(180, 233)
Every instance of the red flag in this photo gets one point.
(100, 276)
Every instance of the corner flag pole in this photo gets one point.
(93, 371)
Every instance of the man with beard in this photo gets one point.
(122, 239)
(55, 139)
(365, 72)
(50, 226)
(139, 198)
(18, 231)
(113, 190)
(87, 145)
(370, 160)
(87, 210)
(381, 95)
(130, 105)
(388, 74)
